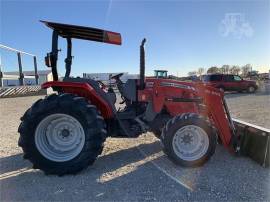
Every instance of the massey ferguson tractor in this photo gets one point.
(65, 132)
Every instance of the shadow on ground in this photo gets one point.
(137, 174)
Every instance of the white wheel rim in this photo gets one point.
(190, 143)
(59, 137)
(251, 89)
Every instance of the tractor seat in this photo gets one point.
(109, 97)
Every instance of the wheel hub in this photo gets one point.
(186, 139)
(59, 137)
(251, 89)
(190, 143)
(65, 133)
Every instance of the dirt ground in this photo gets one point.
(136, 169)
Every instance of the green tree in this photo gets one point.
(222, 70)
(213, 70)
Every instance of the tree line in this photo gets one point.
(224, 69)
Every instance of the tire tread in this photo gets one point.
(94, 138)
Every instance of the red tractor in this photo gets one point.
(64, 132)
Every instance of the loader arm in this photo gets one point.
(236, 135)
(216, 107)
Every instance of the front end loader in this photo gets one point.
(64, 132)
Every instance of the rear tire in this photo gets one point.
(189, 140)
(62, 134)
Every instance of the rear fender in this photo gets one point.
(83, 90)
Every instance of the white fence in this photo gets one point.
(20, 77)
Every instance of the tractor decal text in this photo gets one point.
(176, 85)
(149, 84)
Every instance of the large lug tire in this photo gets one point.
(62, 134)
(189, 140)
(158, 124)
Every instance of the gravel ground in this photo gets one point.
(253, 108)
(135, 169)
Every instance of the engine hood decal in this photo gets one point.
(176, 85)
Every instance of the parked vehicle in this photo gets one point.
(230, 82)
(161, 74)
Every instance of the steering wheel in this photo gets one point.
(102, 85)
(119, 84)
(117, 76)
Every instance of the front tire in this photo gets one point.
(189, 140)
(62, 134)
(158, 123)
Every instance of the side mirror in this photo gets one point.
(48, 60)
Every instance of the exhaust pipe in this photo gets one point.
(142, 65)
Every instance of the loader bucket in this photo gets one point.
(254, 141)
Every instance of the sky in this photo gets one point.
(181, 35)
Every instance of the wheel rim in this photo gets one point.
(190, 143)
(251, 89)
(59, 137)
